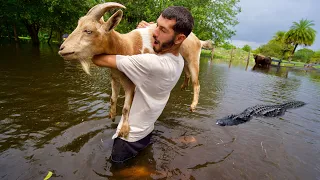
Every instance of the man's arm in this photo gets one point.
(144, 24)
(104, 60)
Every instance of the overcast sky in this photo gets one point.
(259, 20)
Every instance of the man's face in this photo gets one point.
(163, 35)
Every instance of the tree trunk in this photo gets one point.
(8, 31)
(16, 38)
(292, 54)
(294, 49)
(33, 30)
(50, 36)
(60, 36)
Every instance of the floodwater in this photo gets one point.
(53, 117)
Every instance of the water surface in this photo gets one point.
(53, 117)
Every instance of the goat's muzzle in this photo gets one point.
(63, 54)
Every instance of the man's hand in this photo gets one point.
(144, 24)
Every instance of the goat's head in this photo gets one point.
(87, 39)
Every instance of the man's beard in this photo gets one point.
(164, 46)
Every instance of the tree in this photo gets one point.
(66, 15)
(272, 49)
(228, 46)
(286, 48)
(303, 55)
(301, 33)
(246, 48)
(315, 57)
(213, 19)
(279, 37)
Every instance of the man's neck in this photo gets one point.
(173, 50)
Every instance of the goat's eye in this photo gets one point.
(87, 31)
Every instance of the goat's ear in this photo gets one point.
(113, 21)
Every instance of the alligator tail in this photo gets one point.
(292, 104)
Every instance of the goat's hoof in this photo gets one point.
(183, 88)
(192, 108)
(124, 131)
(112, 117)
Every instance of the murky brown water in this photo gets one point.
(53, 118)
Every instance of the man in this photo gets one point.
(154, 75)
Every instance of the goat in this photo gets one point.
(94, 36)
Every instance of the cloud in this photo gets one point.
(240, 43)
(260, 20)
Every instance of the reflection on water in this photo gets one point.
(54, 118)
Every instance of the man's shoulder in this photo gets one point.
(172, 57)
(146, 56)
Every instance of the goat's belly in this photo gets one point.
(117, 75)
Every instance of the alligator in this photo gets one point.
(258, 110)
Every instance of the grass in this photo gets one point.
(241, 55)
(225, 55)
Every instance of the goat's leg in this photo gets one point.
(194, 71)
(186, 76)
(115, 87)
(129, 88)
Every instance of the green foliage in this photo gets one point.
(301, 33)
(228, 46)
(279, 37)
(303, 55)
(276, 47)
(286, 48)
(246, 48)
(315, 57)
(213, 19)
(272, 49)
(238, 54)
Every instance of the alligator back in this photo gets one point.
(258, 110)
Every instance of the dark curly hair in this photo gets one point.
(184, 20)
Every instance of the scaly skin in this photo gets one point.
(258, 110)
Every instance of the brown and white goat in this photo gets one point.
(94, 36)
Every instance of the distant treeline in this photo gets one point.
(283, 45)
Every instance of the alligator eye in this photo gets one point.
(87, 31)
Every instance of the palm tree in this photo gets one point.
(301, 34)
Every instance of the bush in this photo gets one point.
(315, 57)
(228, 46)
(271, 49)
(246, 48)
(303, 55)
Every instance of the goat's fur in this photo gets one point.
(93, 36)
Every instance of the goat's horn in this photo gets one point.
(98, 10)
